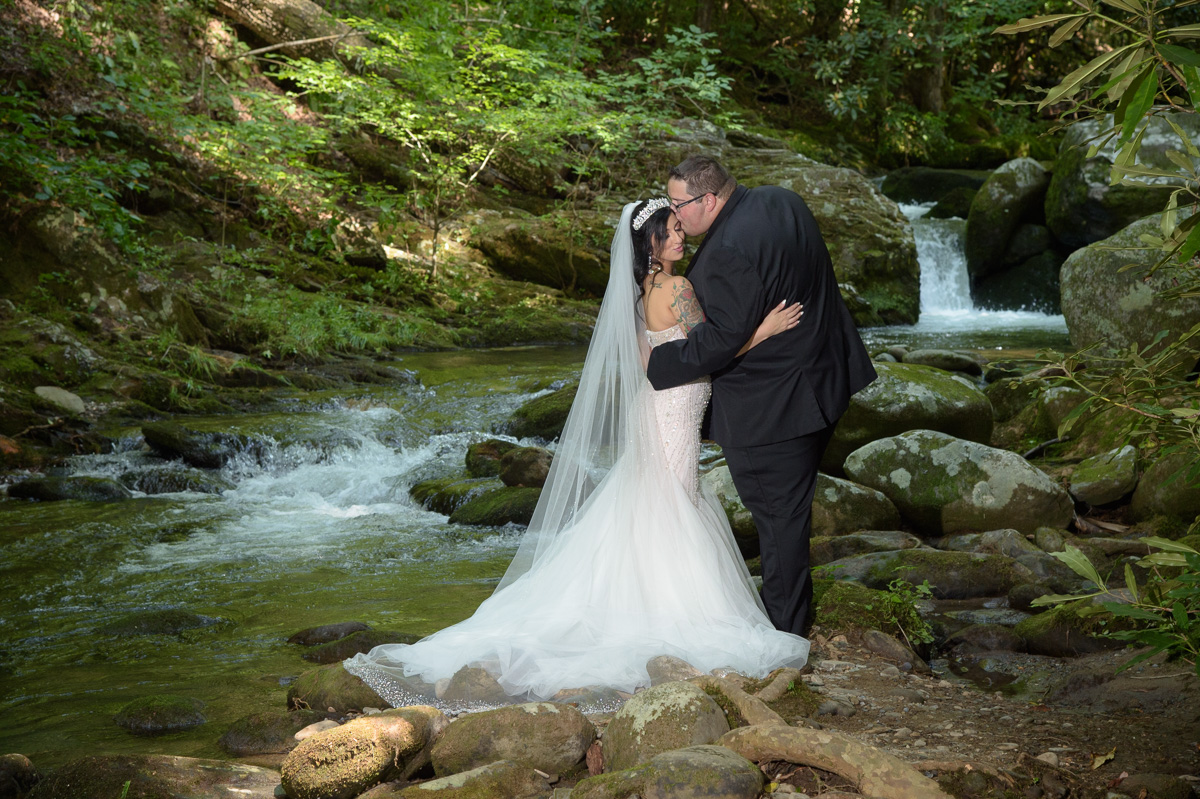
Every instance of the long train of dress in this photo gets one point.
(641, 572)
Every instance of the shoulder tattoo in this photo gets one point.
(685, 306)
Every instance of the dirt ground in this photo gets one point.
(1087, 734)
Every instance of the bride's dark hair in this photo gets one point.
(652, 232)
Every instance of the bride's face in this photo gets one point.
(670, 250)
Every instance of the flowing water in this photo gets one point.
(319, 528)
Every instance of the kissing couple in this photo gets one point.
(628, 556)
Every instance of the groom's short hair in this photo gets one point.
(704, 175)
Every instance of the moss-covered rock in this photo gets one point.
(331, 687)
(525, 467)
(157, 480)
(1105, 478)
(268, 732)
(1011, 395)
(502, 779)
(909, 397)
(552, 251)
(483, 458)
(155, 777)
(17, 775)
(445, 495)
(353, 644)
(1105, 302)
(1032, 285)
(693, 772)
(542, 417)
(951, 575)
(1082, 206)
(345, 761)
(507, 505)
(946, 360)
(841, 506)
(1169, 487)
(943, 484)
(326, 633)
(1009, 196)
(1062, 632)
(160, 714)
(955, 204)
(745, 533)
(207, 450)
(78, 487)
(869, 239)
(546, 736)
(668, 716)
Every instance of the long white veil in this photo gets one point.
(608, 419)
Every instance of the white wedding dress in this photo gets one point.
(627, 556)
(640, 574)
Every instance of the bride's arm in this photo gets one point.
(782, 317)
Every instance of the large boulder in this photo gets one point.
(1032, 285)
(1082, 206)
(501, 779)
(944, 484)
(154, 777)
(827, 549)
(1106, 303)
(447, 494)
(543, 250)
(483, 458)
(550, 737)
(668, 716)
(869, 239)
(922, 184)
(525, 467)
(951, 575)
(507, 505)
(267, 732)
(745, 532)
(345, 761)
(208, 450)
(1170, 486)
(693, 772)
(909, 397)
(840, 507)
(1012, 194)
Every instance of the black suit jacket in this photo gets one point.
(762, 248)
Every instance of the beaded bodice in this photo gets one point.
(679, 412)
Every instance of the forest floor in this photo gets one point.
(1137, 734)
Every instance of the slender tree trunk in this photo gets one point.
(279, 21)
(704, 14)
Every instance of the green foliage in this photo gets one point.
(899, 603)
(1164, 610)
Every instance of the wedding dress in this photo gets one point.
(627, 556)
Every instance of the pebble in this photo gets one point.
(919, 742)
(313, 729)
(837, 665)
(1048, 757)
(813, 680)
(1007, 747)
(835, 708)
(889, 671)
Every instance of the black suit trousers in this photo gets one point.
(776, 483)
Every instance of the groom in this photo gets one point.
(774, 408)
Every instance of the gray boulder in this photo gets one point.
(61, 398)
(502, 779)
(550, 737)
(692, 772)
(668, 716)
(1105, 303)
(1105, 478)
(909, 397)
(944, 484)
(951, 575)
(946, 360)
(745, 533)
(840, 506)
(1005, 200)
(1081, 205)
(156, 776)
(208, 450)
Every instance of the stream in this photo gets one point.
(318, 528)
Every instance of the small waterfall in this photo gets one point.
(945, 285)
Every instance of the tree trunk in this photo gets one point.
(280, 21)
(704, 14)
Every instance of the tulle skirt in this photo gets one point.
(643, 571)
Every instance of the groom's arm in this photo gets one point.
(734, 299)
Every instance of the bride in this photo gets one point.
(627, 556)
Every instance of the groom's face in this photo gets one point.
(694, 212)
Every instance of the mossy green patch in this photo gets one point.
(447, 494)
(501, 506)
(544, 416)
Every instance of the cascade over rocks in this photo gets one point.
(1117, 307)
(943, 484)
(909, 397)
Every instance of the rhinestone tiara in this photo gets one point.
(652, 206)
